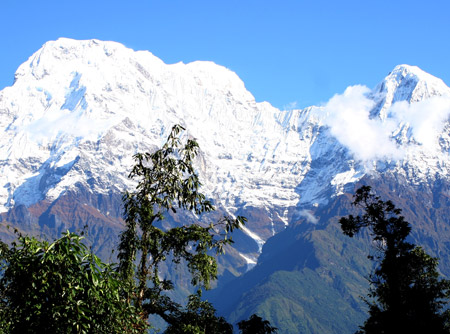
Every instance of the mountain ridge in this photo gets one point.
(79, 110)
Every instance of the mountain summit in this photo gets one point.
(410, 84)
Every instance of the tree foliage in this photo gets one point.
(198, 317)
(256, 325)
(61, 287)
(406, 295)
(167, 184)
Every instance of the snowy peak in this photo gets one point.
(94, 60)
(88, 54)
(406, 83)
(96, 82)
(89, 105)
(107, 82)
(400, 128)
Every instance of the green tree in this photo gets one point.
(61, 287)
(167, 184)
(198, 317)
(406, 295)
(256, 325)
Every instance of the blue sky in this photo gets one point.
(286, 51)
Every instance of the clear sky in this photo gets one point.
(286, 51)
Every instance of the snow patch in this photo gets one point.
(259, 241)
(251, 262)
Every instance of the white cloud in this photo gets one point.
(75, 124)
(426, 118)
(347, 115)
(310, 218)
(291, 106)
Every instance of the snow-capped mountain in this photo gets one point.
(400, 127)
(79, 110)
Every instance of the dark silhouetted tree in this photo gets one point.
(406, 294)
(198, 317)
(256, 325)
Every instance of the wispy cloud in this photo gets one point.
(291, 106)
(63, 122)
(348, 119)
(426, 118)
(347, 115)
(310, 218)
